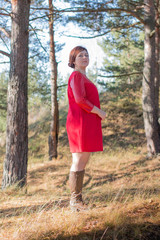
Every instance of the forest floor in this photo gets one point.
(121, 184)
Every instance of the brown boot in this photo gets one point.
(76, 184)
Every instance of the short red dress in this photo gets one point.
(83, 127)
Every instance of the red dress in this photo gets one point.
(83, 127)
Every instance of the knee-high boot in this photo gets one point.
(76, 184)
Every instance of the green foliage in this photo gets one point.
(38, 84)
(101, 17)
(121, 22)
(3, 100)
(124, 57)
(62, 87)
(92, 74)
(39, 91)
(3, 90)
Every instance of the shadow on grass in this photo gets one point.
(117, 176)
(134, 169)
(45, 169)
(122, 195)
(25, 210)
(123, 140)
(145, 231)
(100, 178)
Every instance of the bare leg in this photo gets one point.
(79, 161)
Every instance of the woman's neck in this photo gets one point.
(83, 71)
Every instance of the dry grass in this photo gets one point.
(121, 187)
(124, 188)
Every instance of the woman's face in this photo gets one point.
(82, 60)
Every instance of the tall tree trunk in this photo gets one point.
(15, 163)
(53, 137)
(150, 83)
(157, 52)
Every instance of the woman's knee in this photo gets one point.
(79, 161)
(80, 157)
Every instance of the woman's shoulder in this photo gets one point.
(75, 73)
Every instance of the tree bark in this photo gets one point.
(53, 137)
(150, 83)
(157, 45)
(15, 163)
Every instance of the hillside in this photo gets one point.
(121, 185)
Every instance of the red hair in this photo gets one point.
(73, 54)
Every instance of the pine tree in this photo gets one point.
(15, 164)
(53, 137)
(123, 64)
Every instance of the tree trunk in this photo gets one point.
(53, 137)
(149, 97)
(15, 163)
(157, 42)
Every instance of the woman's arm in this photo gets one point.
(79, 93)
(78, 89)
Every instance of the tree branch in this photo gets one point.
(122, 75)
(133, 13)
(34, 8)
(64, 85)
(85, 10)
(37, 38)
(7, 33)
(5, 53)
(4, 43)
(89, 37)
(8, 1)
(4, 62)
(102, 34)
(4, 14)
(3, 108)
(33, 19)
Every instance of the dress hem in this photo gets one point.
(86, 151)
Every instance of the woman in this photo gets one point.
(83, 123)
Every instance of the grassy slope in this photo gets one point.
(121, 185)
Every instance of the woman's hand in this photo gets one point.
(99, 112)
(102, 114)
